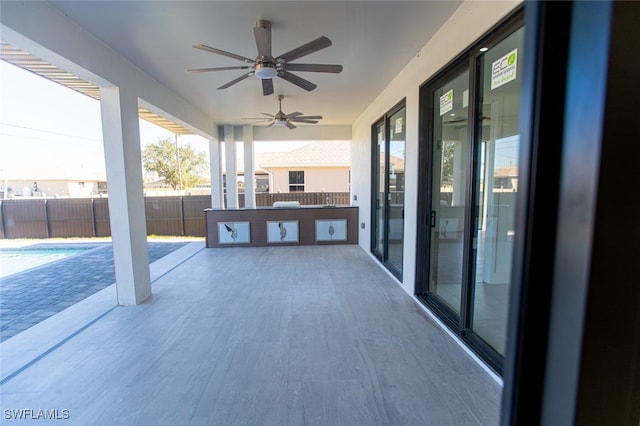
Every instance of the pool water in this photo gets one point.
(17, 260)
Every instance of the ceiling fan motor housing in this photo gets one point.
(280, 119)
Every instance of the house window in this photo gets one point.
(262, 184)
(296, 181)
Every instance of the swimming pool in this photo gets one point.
(16, 260)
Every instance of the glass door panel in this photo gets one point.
(379, 202)
(449, 188)
(496, 187)
(395, 197)
(468, 186)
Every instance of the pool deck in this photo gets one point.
(38, 340)
(31, 296)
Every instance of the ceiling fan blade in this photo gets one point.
(257, 118)
(293, 114)
(267, 86)
(314, 68)
(243, 67)
(306, 49)
(305, 121)
(271, 124)
(262, 33)
(222, 52)
(298, 81)
(237, 80)
(308, 117)
(269, 115)
(290, 125)
(256, 123)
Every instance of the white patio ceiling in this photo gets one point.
(372, 40)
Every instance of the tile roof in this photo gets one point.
(506, 171)
(397, 163)
(315, 154)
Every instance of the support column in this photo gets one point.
(249, 168)
(121, 135)
(215, 174)
(232, 172)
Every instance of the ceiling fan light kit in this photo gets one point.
(266, 67)
(265, 70)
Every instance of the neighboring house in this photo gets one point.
(322, 166)
(53, 182)
(316, 167)
(262, 178)
(396, 177)
(505, 179)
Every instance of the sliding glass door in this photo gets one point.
(468, 185)
(449, 176)
(388, 147)
(496, 187)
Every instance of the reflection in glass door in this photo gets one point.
(379, 190)
(496, 187)
(388, 189)
(395, 197)
(449, 188)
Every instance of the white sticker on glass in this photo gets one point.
(398, 125)
(446, 102)
(504, 69)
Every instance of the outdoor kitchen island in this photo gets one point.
(282, 224)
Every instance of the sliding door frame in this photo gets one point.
(425, 195)
(469, 60)
(375, 170)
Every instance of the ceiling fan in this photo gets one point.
(282, 119)
(266, 67)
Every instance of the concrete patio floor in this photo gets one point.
(317, 335)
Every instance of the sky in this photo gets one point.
(44, 125)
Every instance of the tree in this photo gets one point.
(448, 155)
(160, 159)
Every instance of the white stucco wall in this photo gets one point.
(466, 25)
(327, 179)
(316, 179)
